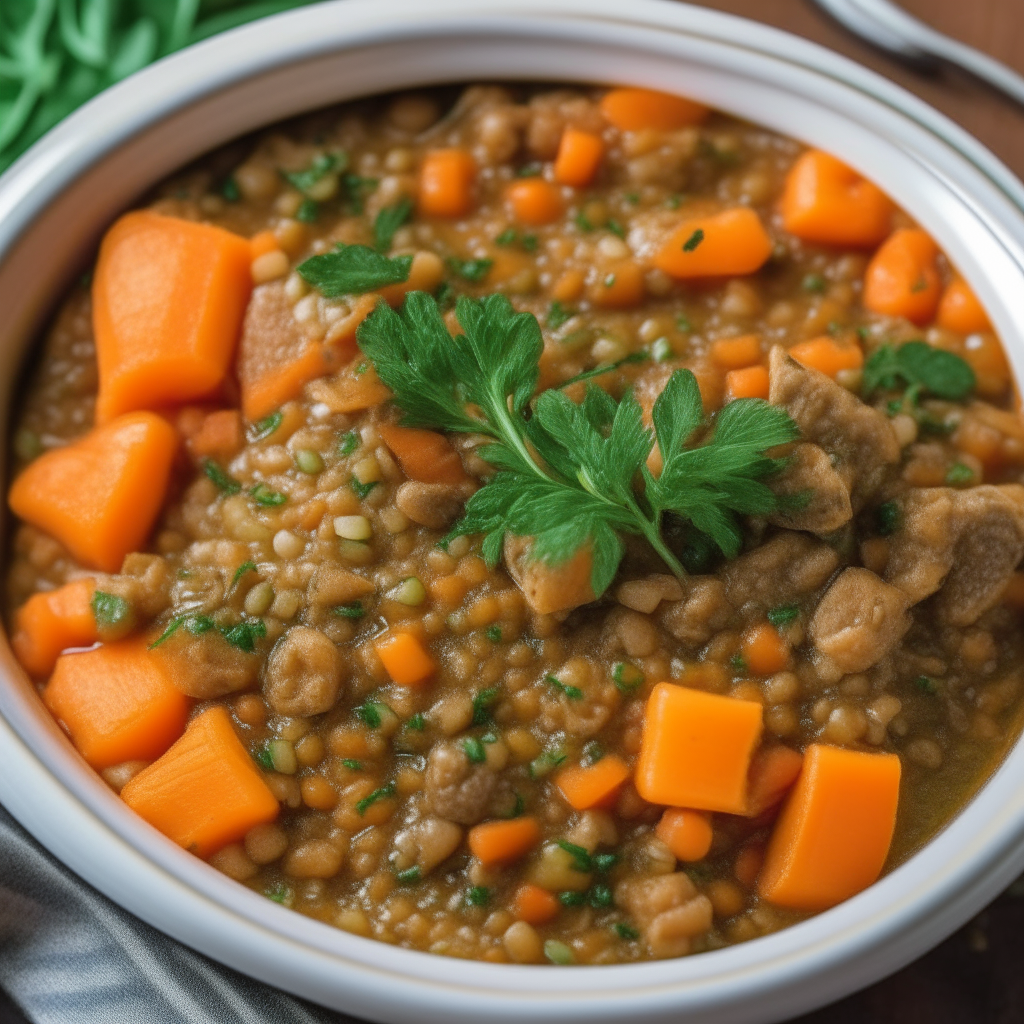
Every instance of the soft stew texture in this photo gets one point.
(731, 624)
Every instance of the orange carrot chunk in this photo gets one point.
(618, 287)
(100, 496)
(49, 623)
(117, 702)
(828, 355)
(498, 842)
(596, 785)
(737, 353)
(960, 310)
(424, 455)
(731, 242)
(902, 278)
(633, 110)
(825, 201)
(750, 382)
(219, 436)
(534, 905)
(263, 242)
(686, 833)
(764, 649)
(404, 658)
(168, 297)
(772, 772)
(205, 792)
(833, 835)
(579, 156)
(534, 201)
(446, 183)
(696, 748)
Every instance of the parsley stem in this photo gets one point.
(651, 529)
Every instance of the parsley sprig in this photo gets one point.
(918, 366)
(353, 270)
(567, 473)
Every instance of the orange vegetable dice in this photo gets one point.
(498, 842)
(696, 748)
(446, 183)
(263, 242)
(596, 785)
(828, 355)
(534, 905)
(618, 287)
(764, 649)
(220, 435)
(117, 702)
(534, 201)
(579, 156)
(737, 353)
(168, 297)
(206, 791)
(833, 835)
(902, 278)
(731, 242)
(404, 658)
(686, 833)
(424, 455)
(960, 310)
(750, 382)
(827, 202)
(773, 771)
(50, 622)
(633, 110)
(100, 495)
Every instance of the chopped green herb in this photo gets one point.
(631, 197)
(558, 315)
(863, 333)
(348, 442)
(814, 283)
(263, 495)
(926, 685)
(384, 793)
(917, 365)
(229, 189)
(581, 859)
(482, 706)
(409, 875)
(616, 228)
(352, 764)
(592, 752)
(388, 221)
(353, 270)
(280, 893)
(887, 518)
(661, 350)
(225, 483)
(783, 615)
(609, 281)
(529, 242)
(169, 631)
(518, 807)
(362, 490)
(352, 610)
(572, 692)
(308, 211)
(738, 663)
(470, 270)
(958, 474)
(674, 202)
(444, 296)
(625, 931)
(530, 170)
(597, 371)
(546, 762)
(571, 899)
(357, 188)
(507, 237)
(417, 722)
(321, 166)
(264, 758)
(369, 713)
(474, 750)
(109, 609)
(558, 952)
(694, 240)
(600, 896)
(240, 572)
(920, 285)
(245, 634)
(478, 896)
(604, 862)
(199, 624)
(489, 737)
(626, 676)
(582, 221)
(683, 323)
(266, 426)
(493, 633)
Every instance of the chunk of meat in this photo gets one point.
(669, 910)
(962, 546)
(426, 844)
(704, 610)
(859, 620)
(205, 666)
(304, 673)
(436, 506)
(819, 498)
(456, 789)
(549, 588)
(784, 568)
(858, 439)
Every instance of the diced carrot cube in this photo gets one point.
(737, 353)
(618, 287)
(764, 649)
(446, 183)
(534, 201)
(696, 748)
(448, 590)
(498, 842)
(52, 621)
(960, 310)
(534, 905)
(100, 495)
(750, 382)
(569, 287)
(833, 835)
(117, 702)
(404, 658)
(902, 278)
(633, 110)
(747, 865)
(579, 156)
(828, 355)
(263, 242)
(220, 436)
(686, 833)
(773, 771)
(424, 455)
(594, 785)
(731, 242)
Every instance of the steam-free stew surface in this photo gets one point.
(670, 701)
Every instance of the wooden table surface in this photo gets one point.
(976, 976)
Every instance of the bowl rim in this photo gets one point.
(820, 959)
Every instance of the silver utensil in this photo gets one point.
(891, 28)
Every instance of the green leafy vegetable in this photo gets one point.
(507, 237)
(417, 723)
(572, 899)
(352, 610)
(369, 713)
(604, 862)
(959, 474)
(920, 367)
(470, 270)
(199, 624)
(592, 753)
(263, 495)
(625, 931)
(352, 764)
(266, 426)
(308, 211)
(474, 749)
(493, 633)
(478, 896)
(240, 572)
(280, 893)
(388, 221)
(109, 609)
(409, 875)
(357, 188)
(482, 705)
(580, 492)
(783, 615)
(814, 283)
(348, 442)
(558, 315)
(245, 634)
(581, 858)
(229, 189)
(572, 692)
(600, 896)
(224, 482)
(693, 241)
(888, 518)
(361, 489)
(353, 270)
(626, 676)
(616, 228)
(926, 685)
(384, 793)
(738, 663)
(264, 758)
(322, 165)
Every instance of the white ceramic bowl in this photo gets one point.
(54, 204)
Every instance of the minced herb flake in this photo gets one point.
(109, 609)
(353, 610)
(783, 615)
(384, 793)
(227, 484)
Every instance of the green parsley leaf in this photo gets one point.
(558, 315)
(169, 631)
(478, 896)
(417, 723)
(616, 228)
(959, 474)
(592, 753)
(600, 896)
(357, 188)
(199, 624)
(625, 931)
(263, 495)
(388, 221)
(266, 426)
(474, 749)
(225, 483)
(470, 270)
(308, 211)
(507, 237)
(353, 270)
(694, 240)
(626, 676)
(280, 893)
(245, 634)
(572, 899)
(264, 758)
(369, 713)
(240, 572)
(384, 793)
(493, 633)
(321, 166)
(409, 875)
(482, 705)
(581, 858)
(352, 610)
(572, 692)
(918, 364)
(546, 762)
(229, 189)
(352, 764)
(109, 609)
(738, 663)
(888, 518)
(814, 283)
(348, 442)
(362, 490)
(604, 862)
(783, 615)
(926, 685)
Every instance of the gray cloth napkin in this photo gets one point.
(70, 956)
